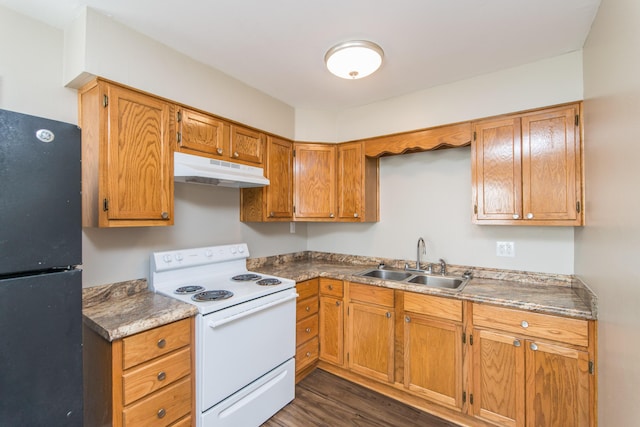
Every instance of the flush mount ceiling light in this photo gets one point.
(354, 59)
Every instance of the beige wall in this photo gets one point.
(607, 249)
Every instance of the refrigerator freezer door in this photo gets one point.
(41, 350)
(40, 208)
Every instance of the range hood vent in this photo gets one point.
(203, 170)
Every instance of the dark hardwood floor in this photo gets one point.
(322, 399)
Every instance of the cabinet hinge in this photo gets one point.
(179, 137)
(475, 209)
(464, 397)
(470, 398)
(464, 338)
(577, 120)
(471, 343)
(294, 153)
(347, 357)
(348, 311)
(179, 116)
(294, 209)
(591, 367)
(105, 101)
(474, 135)
(105, 205)
(578, 206)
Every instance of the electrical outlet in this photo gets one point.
(507, 249)
(292, 227)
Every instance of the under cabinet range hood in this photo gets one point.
(203, 170)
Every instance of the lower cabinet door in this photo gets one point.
(433, 359)
(498, 378)
(331, 330)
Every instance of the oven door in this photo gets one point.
(242, 343)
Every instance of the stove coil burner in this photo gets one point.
(268, 282)
(246, 277)
(212, 295)
(190, 289)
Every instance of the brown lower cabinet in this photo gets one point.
(471, 363)
(140, 380)
(306, 327)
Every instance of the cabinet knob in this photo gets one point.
(235, 154)
(407, 319)
(271, 214)
(165, 215)
(388, 315)
(161, 413)
(516, 216)
(307, 330)
(308, 354)
(337, 303)
(331, 215)
(162, 376)
(162, 343)
(529, 215)
(307, 308)
(533, 346)
(516, 343)
(330, 287)
(355, 215)
(219, 150)
(524, 324)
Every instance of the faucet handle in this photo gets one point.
(381, 266)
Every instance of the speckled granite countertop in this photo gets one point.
(121, 309)
(544, 293)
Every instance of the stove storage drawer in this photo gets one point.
(155, 342)
(160, 409)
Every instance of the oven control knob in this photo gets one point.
(240, 249)
(208, 253)
(233, 250)
(179, 257)
(167, 258)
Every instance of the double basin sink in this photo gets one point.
(418, 278)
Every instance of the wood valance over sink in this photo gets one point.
(448, 136)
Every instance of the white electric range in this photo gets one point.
(245, 332)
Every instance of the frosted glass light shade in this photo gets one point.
(354, 59)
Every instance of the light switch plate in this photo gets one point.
(506, 249)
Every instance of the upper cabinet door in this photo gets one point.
(550, 165)
(279, 169)
(498, 169)
(350, 181)
(315, 181)
(246, 145)
(137, 172)
(202, 133)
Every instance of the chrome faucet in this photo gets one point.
(420, 250)
(443, 267)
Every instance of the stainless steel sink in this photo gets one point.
(444, 282)
(438, 281)
(387, 274)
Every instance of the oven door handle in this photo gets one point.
(243, 314)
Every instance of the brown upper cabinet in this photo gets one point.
(127, 157)
(201, 133)
(527, 168)
(275, 201)
(335, 182)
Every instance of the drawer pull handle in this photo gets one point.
(307, 308)
(533, 346)
(308, 354)
(330, 287)
(516, 343)
(524, 324)
(162, 376)
(307, 330)
(161, 413)
(162, 343)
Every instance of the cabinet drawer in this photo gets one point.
(306, 308)
(306, 354)
(371, 294)
(306, 329)
(563, 329)
(152, 376)
(331, 287)
(161, 408)
(185, 422)
(444, 308)
(155, 342)
(307, 289)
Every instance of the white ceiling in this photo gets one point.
(278, 46)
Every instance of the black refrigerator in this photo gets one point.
(40, 286)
